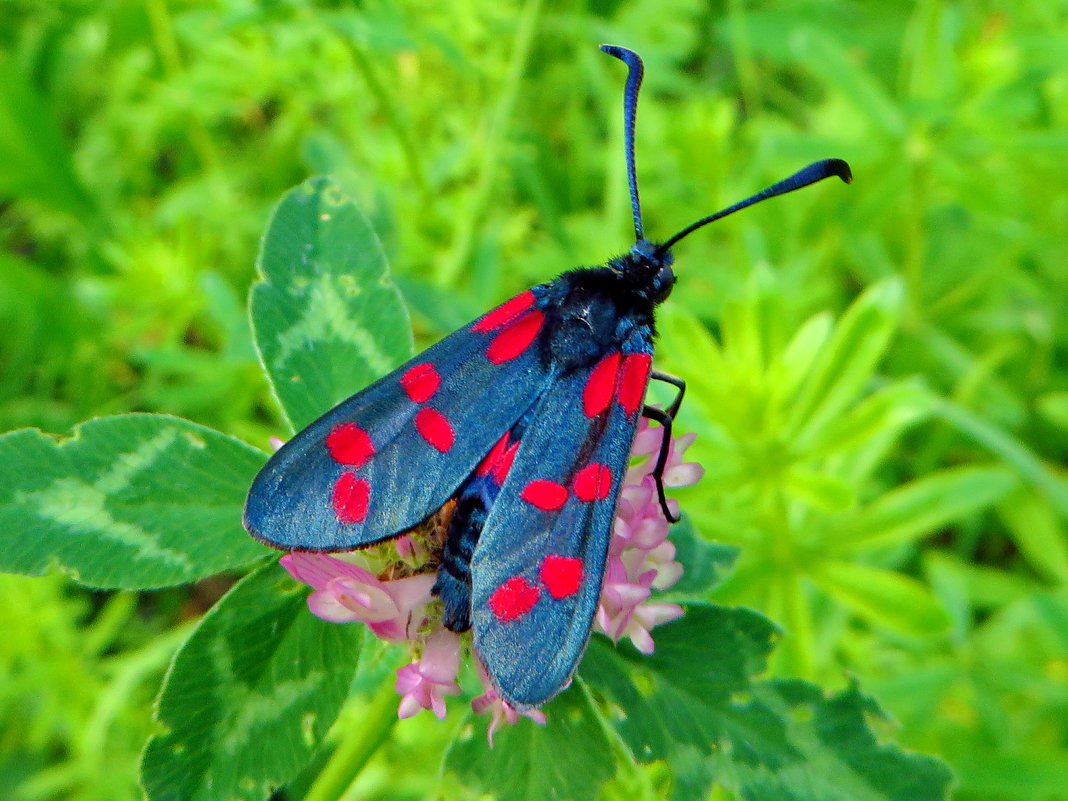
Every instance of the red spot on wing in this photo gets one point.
(505, 313)
(561, 575)
(500, 470)
(485, 467)
(513, 599)
(593, 482)
(546, 495)
(350, 498)
(633, 378)
(349, 444)
(516, 338)
(421, 382)
(435, 428)
(597, 394)
(499, 460)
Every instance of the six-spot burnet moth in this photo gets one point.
(520, 425)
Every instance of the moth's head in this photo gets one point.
(648, 269)
(654, 266)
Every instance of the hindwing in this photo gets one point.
(540, 561)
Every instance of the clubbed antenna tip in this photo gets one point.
(799, 180)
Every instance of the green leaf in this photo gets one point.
(885, 412)
(1023, 771)
(694, 703)
(752, 325)
(129, 502)
(686, 693)
(830, 59)
(327, 318)
(963, 586)
(847, 362)
(697, 355)
(37, 161)
(1038, 533)
(445, 310)
(250, 696)
(569, 757)
(884, 597)
(797, 357)
(820, 490)
(920, 508)
(1010, 450)
(706, 563)
(1054, 407)
(841, 758)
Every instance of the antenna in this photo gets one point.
(630, 107)
(799, 180)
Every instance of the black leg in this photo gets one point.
(675, 381)
(665, 420)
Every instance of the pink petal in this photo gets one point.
(409, 706)
(406, 548)
(390, 630)
(371, 602)
(641, 638)
(437, 703)
(408, 678)
(536, 715)
(441, 659)
(615, 625)
(681, 444)
(646, 440)
(602, 620)
(325, 606)
(628, 595)
(411, 592)
(683, 475)
(317, 569)
(656, 614)
(651, 531)
(414, 595)
(501, 711)
(667, 575)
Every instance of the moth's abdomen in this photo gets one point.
(473, 501)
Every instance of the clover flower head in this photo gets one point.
(390, 590)
(677, 473)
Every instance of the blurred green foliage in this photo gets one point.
(891, 469)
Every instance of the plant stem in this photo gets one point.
(356, 746)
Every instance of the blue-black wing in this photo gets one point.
(383, 460)
(540, 561)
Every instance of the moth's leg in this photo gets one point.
(665, 420)
(675, 381)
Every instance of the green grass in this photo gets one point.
(904, 520)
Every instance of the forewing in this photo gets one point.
(381, 461)
(539, 564)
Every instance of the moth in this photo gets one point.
(523, 420)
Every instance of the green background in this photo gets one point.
(901, 510)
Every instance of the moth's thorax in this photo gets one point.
(593, 311)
